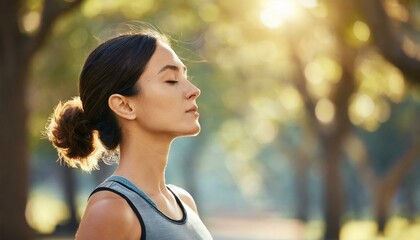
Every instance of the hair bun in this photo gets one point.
(71, 133)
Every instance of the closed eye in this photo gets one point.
(172, 82)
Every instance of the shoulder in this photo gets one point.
(108, 216)
(184, 196)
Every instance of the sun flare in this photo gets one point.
(276, 13)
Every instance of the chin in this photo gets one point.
(191, 132)
(195, 132)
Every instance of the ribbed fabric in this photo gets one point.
(156, 225)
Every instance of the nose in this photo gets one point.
(193, 92)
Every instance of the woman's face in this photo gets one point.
(166, 103)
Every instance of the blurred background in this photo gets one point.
(310, 113)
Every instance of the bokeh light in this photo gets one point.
(278, 12)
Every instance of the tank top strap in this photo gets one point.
(128, 193)
(128, 184)
(155, 224)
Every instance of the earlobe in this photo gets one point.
(120, 105)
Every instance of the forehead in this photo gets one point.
(163, 55)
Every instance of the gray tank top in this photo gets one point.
(155, 225)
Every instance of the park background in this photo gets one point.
(310, 113)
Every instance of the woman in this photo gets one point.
(135, 99)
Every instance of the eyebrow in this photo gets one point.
(172, 67)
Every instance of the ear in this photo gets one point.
(120, 105)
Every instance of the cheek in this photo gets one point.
(153, 100)
(158, 112)
(159, 107)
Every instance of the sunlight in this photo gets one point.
(308, 3)
(31, 21)
(362, 230)
(45, 212)
(396, 228)
(291, 102)
(396, 86)
(263, 130)
(325, 111)
(361, 31)
(314, 73)
(410, 47)
(261, 125)
(277, 12)
(364, 106)
(396, 10)
(368, 112)
(361, 108)
(384, 111)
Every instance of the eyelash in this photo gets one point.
(172, 82)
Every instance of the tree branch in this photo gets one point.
(395, 176)
(51, 12)
(358, 155)
(300, 84)
(388, 41)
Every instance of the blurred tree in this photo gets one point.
(333, 134)
(342, 16)
(394, 27)
(385, 180)
(394, 32)
(24, 29)
(332, 56)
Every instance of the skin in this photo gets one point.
(149, 121)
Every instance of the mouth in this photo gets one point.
(193, 109)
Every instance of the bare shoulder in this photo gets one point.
(108, 216)
(185, 197)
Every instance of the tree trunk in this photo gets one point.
(13, 129)
(333, 190)
(389, 186)
(382, 206)
(13, 152)
(302, 204)
(69, 182)
(16, 52)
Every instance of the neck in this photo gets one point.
(143, 160)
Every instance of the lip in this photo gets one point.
(193, 110)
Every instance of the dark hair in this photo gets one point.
(79, 127)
